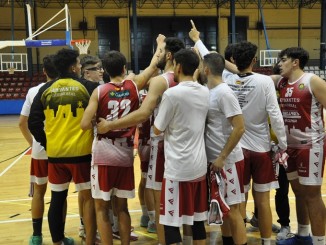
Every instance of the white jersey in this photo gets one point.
(182, 115)
(38, 151)
(257, 97)
(223, 104)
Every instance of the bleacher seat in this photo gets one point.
(16, 95)
(10, 89)
(2, 95)
(18, 89)
(4, 90)
(24, 89)
(8, 95)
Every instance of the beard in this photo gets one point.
(161, 63)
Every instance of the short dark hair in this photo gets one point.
(65, 58)
(49, 67)
(215, 62)
(188, 60)
(296, 53)
(114, 62)
(88, 60)
(228, 52)
(173, 44)
(243, 54)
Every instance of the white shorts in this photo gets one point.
(156, 165)
(234, 187)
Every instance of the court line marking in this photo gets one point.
(13, 163)
(45, 217)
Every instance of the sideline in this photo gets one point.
(14, 162)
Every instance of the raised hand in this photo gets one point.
(194, 33)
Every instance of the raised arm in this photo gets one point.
(156, 89)
(90, 111)
(142, 79)
(194, 35)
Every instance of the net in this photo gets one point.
(82, 45)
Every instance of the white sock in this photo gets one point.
(303, 230)
(266, 241)
(151, 215)
(144, 210)
(187, 240)
(318, 240)
(115, 226)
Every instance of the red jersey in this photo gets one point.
(302, 113)
(116, 101)
(169, 78)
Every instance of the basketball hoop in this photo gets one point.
(82, 45)
(11, 70)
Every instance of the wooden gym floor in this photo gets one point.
(15, 216)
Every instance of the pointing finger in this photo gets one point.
(193, 24)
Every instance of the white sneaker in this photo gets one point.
(283, 234)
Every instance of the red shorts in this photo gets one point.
(39, 171)
(112, 180)
(307, 165)
(61, 174)
(259, 166)
(183, 202)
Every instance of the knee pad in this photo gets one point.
(198, 230)
(172, 234)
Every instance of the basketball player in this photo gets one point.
(224, 128)
(39, 161)
(112, 169)
(61, 104)
(181, 116)
(302, 99)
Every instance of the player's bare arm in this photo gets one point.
(142, 79)
(157, 87)
(237, 123)
(90, 111)
(318, 88)
(23, 126)
(194, 35)
(275, 79)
